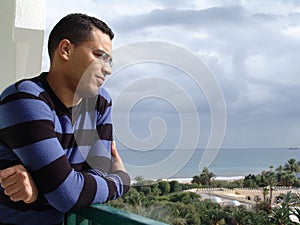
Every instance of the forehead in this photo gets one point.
(100, 40)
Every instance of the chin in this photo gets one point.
(89, 92)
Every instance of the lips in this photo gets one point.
(100, 79)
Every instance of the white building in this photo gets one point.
(22, 36)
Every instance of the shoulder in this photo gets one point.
(104, 94)
(27, 90)
(24, 87)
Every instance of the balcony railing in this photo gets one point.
(105, 215)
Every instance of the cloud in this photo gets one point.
(250, 46)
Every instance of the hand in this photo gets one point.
(18, 184)
(117, 161)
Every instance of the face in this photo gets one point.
(90, 64)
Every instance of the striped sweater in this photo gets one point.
(67, 151)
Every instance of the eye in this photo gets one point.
(99, 54)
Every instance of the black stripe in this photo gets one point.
(18, 96)
(46, 98)
(27, 133)
(102, 104)
(85, 137)
(49, 177)
(39, 205)
(112, 189)
(4, 163)
(105, 132)
(99, 162)
(88, 192)
(60, 108)
(77, 166)
(6, 223)
(66, 140)
(125, 180)
(98, 103)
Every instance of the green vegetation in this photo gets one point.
(168, 201)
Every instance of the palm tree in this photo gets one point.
(271, 181)
(216, 216)
(206, 176)
(292, 165)
(265, 193)
(238, 215)
(281, 214)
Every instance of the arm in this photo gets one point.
(19, 185)
(29, 131)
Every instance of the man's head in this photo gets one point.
(80, 49)
(77, 28)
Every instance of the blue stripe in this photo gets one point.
(77, 155)
(101, 148)
(63, 125)
(104, 94)
(67, 194)
(74, 156)
(105, 118)
(86, 121)
(28, 86)
(39, 154)
(8, 91)
(23, 110)
(13, 216)
(102, 195)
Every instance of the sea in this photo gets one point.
(228, 163)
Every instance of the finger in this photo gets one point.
(7, 172)
(114, 151)
(11, 180)
(18, 196)
(113, 146)
(12, 189)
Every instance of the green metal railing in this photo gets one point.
(105, 215)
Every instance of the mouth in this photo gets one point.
(100, 77)
(100, 80)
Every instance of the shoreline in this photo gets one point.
(189, 180)
(186, 180)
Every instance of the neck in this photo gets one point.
(66, 95)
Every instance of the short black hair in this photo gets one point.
(77, 28)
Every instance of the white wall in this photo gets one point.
(22, 26)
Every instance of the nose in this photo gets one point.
(106, 69)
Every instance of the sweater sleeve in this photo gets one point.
(28, 131)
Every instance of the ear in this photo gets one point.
(64, 49)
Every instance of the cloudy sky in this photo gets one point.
(251, 48)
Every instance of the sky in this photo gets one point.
(248, 50)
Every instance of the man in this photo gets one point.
(56, 150)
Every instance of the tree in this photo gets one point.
(164, 186)
(184, 197)
(196, 179)
(281, 214)
(175, 186)
(206, 176)
(216, 216)
(271, 181)
(250, 181)
(292, 166)
(237, 215)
